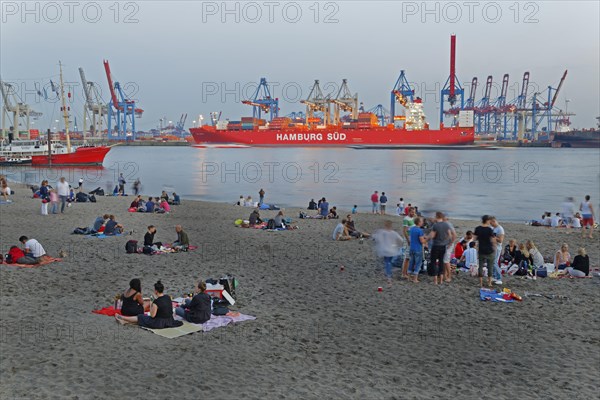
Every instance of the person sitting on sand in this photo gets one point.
(164, 195)
(459, 249)
(133, 302)
(536, 256)
(112, 227)
(150, 205)
(351, 228)
(240, 201)
(136, 202)
(17, 256)
(577, 220)
(341, 231)
(279, 220)
(510, 250)
(255, 218)
(5, 190)
(562, 257)
(333, 213)
(354, 209)
(149, 237)
(555, 221)
(161, 312)
(141, 205)
(312, 205)
(182, 242)
(99, 222)
(469, 257)
(176, 199)
(164, 204)
(580, 266)
(196, 310)
(248, 202)
(522, 255)
(33, 250)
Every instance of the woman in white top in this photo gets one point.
(562, 258)
(538, 259)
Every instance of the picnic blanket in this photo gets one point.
(165, 249)
(102, 235)
(6, 201)
(45, 261)
(215, 321)
(493, 296)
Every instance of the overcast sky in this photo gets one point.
(179, 56)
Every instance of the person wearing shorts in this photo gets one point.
(484, 234)
(587, 213)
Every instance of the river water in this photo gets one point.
(515, 184)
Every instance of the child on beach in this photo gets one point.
(53, 202)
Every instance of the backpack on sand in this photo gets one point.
(131, 246)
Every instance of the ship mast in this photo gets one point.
(64, 108)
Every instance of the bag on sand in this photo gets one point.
(92, 198)
(271, 224)
(131, 246)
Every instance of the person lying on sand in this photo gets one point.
(196, 310)
(161, 312)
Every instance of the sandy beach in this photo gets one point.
(320, 333)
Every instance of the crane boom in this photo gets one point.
(562, 80)
(86, 89)
(111, 87)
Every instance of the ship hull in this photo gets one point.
(337, 137)
(577, 139)
(81, 156)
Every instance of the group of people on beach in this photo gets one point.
(481, 249)
(160, 205)
(195, 309)
(182, 243)
(248, 202)
(569, 218)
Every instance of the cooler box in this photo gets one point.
(215, 290)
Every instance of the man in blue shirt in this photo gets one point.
(150, 205)
(417, 239)
(382, 203)
(324, 208)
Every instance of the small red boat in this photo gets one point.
(80, 156)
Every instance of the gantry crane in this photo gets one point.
(344, 101)
(316, 102)
(383, 115)
(470, 104)
(401, 93)
(262, 102)
(483, 109)
(124, 111)
(452, 88)
(15, 110)
(94, 108)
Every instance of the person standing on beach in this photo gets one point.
(448, 254)
(441, 233)
(568, 211)
(261, 197)
(80, 187)
(417, 240)
(374, 201)
(499, 235)
(484, 235)
(407, 224)
(401, 205)
(587, 213)
(53, 202)
(63, 192)
(382, 202)
(136, 186)
(324, 208)
(387, 243)
(122, 183)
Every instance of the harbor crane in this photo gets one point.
(122, 109)
(14, 110)
(483, 108)
(316, 102)
(401, 93)
(452, 88)
(383, 115)
(344, 101)
(262, 102)
(470, 104)
(94, 108)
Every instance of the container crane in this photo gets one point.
(401, 93)
(179, 128)
(316, 102)
(483, 109)
(383, 115)
(541, 111)
(262, 102)
(470, 104)
(93, 109)
(452, 88)
(500, 109)
(124, 111)
(344, 101)
(14, 110)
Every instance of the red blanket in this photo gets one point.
(110, 311)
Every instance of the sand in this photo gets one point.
(320, 333)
